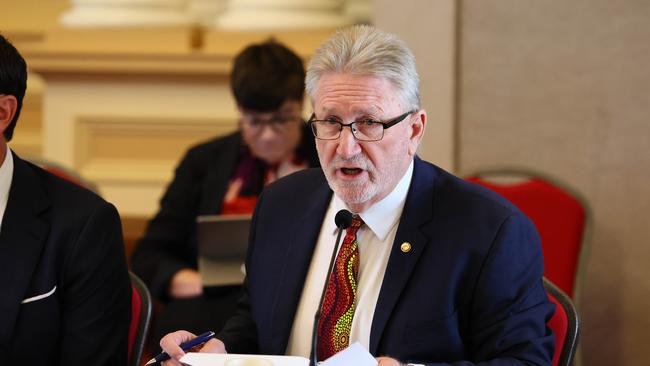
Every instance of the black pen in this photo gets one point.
(184, 346)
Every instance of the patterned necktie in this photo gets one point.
(338, 305)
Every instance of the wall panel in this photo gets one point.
(564, 87)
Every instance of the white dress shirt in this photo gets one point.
(6, 175)
(375, 240)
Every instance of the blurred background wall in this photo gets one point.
(561, 87)
(564, 87)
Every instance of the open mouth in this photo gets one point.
(351, 171)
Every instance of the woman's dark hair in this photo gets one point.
(266, 75)
(13, 79)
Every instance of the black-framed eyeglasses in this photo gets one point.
(366, 129)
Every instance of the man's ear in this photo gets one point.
(8, 106)
(419, 121)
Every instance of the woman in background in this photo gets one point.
(224, 176)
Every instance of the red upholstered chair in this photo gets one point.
(140, 319)
(565, 324)
(65, 173)
(561, 216)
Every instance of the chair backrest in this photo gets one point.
(65, 173)
(141, 309)
(561, 216)
(565, 323)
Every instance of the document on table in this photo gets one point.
(355, 354)
(216, 359)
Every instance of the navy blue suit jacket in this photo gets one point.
(469, 291)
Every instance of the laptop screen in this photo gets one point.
(222, 244)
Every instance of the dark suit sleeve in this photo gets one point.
(239, 334)
(97, 293)
(240, 331)
(510, 307)
(166, 247)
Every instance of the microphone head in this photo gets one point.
(343, 219)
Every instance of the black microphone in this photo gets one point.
(343, 220)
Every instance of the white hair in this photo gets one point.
(367, 51)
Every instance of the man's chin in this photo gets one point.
(356, 195)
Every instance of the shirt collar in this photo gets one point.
(383, 215)
(6, 174)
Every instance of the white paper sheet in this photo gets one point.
(215, 359)
(355, 354)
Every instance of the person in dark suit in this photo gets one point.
(66, 294)
(442, 271)
(225, 176)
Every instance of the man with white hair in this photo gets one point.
(432, 270)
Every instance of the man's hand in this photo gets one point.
(186, 283)
(171, 344)
(387, 361)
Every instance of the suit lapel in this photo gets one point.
(298, 259)
(418, 211)
(22, 237)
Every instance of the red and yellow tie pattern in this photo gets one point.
(339, 303)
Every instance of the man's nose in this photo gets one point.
(348, 145)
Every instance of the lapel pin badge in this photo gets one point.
(405, 247)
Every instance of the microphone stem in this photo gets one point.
(314, 339)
